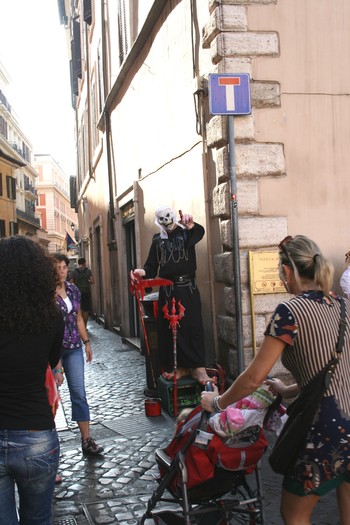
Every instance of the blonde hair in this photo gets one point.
(307, 261)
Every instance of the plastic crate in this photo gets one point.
(188, 393)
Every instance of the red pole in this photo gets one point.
(174, 323)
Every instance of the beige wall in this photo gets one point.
(313, 120)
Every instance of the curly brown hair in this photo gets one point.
(28, 286)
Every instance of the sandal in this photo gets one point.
(180, 372)
(200, 375)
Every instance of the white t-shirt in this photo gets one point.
(68, 304)
(345, 282)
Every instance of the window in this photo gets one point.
(3, 127)
(11, 187)
(76, 49)
(87, 11)
(42, 199)
(123, 30)
(2, 228)
(100, 77)
(13, 228)
(94, 129)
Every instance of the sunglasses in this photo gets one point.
(282, 246)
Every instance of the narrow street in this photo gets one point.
(114, 489)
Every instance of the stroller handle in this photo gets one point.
(209, 386)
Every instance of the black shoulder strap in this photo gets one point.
(342, 326)
(330, 368)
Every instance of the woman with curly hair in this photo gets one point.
(31, 332)
(68, 301)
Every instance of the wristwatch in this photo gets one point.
(86, 341)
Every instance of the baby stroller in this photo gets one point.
(206, 476)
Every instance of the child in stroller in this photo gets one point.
(205, 465)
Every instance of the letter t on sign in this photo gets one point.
(230, 83)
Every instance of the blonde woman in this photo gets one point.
(304, 333)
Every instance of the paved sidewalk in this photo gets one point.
(114, 489)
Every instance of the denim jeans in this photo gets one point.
(28, 459)
(73, 364)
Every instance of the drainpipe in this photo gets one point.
(88, 92)
(110, 171)
(107, 123)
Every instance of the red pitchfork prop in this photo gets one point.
(174, 318)
(137, 288)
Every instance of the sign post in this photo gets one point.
(229, 94)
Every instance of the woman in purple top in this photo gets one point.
(72, 361)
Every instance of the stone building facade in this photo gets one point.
(145, 137)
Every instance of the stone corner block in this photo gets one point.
(224, 18)
(247, 43)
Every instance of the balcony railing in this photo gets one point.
(28, 216)
(29, 187)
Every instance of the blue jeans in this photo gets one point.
(28, 459)
(73, 364)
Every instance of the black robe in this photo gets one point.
(171, 258)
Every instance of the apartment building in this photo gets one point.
(146, 136)
(17, 176)
(54, 208)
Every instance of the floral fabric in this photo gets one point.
(326, 452)
(71, 338)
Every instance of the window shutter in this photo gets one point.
(76, 49)
(88, 12)
(11, 187)
(73, 192)
(73, 78)
(13, 184)
(13, 228)
(2, 228)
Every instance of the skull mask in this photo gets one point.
(165, 218)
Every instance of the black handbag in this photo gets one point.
(302, 412)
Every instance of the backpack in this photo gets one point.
(81, 279)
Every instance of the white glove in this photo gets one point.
(137, 274)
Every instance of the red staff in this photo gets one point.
(137, 288)
(174, 323)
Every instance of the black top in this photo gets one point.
(23, 364)
(175, 255)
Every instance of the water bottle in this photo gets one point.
(203, 437)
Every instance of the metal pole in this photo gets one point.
(235, 242)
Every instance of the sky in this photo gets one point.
(33, 50)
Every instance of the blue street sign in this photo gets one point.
(229, 94)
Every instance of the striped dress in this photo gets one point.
(309, 325)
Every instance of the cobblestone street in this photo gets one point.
(114, 489)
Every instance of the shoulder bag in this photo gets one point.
(51, 390)
(302, 412)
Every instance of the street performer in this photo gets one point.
(172, 256)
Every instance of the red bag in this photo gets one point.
(201, 462)
(51, 390)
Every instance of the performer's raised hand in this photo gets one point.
(186, 219)
(137, 274)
